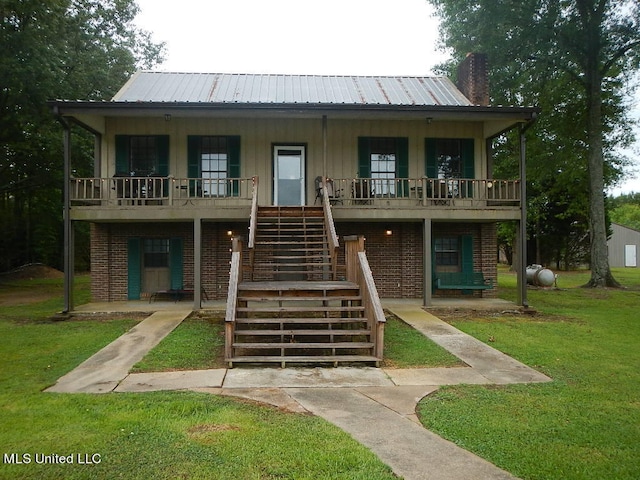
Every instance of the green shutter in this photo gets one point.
(233, 149)
(468, 164)
(194, 144)
(402, 165)
(364, 157)
(430, 158)
(134, 269)
(175, 263)
(467, 253)
(123, 143)
(162, 145)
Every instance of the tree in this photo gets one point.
(579, 54)
(82, 49)
(625, 210)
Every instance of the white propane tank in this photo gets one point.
(540, 276)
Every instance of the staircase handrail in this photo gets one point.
(372, 304)
(334, 244)
(235, 276)
(254, 213)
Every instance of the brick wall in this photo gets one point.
(109, 270)
(396, 260)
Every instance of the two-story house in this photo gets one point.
(180, 156)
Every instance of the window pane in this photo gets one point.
(214, 165)
(143, 155)
(447, 251)
(449, 158)
(156, 252)
(383, 165)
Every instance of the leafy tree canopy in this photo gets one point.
(69, 49)
(574, 59)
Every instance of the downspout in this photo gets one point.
(68, 250)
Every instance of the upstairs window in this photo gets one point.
(384, 159)
(447, 158)
(214, 165)
(215, 161)
(142, 155)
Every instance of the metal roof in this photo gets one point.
(251, 89)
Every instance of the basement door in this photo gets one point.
(288, 175)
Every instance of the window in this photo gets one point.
(449, 159)
(452, 161)
(383, 165)
(142, 155)
(214, 166)
(447, 251)
(384, 159)
(453, 253)
(215, 160)
(156, 252)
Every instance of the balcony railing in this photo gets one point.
(155, 190)
(350, 192)
(460, 192)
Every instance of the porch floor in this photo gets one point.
(479, 304)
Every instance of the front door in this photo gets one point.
(288, 175)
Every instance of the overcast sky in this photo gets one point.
(330, 37)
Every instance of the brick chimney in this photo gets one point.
(473, 78)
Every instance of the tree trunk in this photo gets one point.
(600, 271)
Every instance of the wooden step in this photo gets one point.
(300, 320)
(301, 345)
(303, 332)
(302, 211)
(297, 298)
(307, 286)
(282, 359)
(296, 309)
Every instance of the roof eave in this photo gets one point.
(70, 108)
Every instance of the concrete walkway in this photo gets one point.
(103, 371)
(376, 406)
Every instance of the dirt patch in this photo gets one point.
(449, 314)
(30, 272)
(23, 285)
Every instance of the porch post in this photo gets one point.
(68, 250)
(324, 146)
(197, 266)
(521, 273)
(427, 264)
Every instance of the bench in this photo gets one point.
(175, 294)
(462, 281)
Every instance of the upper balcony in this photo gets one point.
(128, 198)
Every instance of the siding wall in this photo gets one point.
(258, 135)
(620, 237)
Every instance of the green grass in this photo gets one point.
(583, 425)
(405, 347)
(160, 435)
(198, 343)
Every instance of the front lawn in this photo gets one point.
(198, 343)
(159, 435)
(583, 425)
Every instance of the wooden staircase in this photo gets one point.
(290, 309)
(291, 244)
